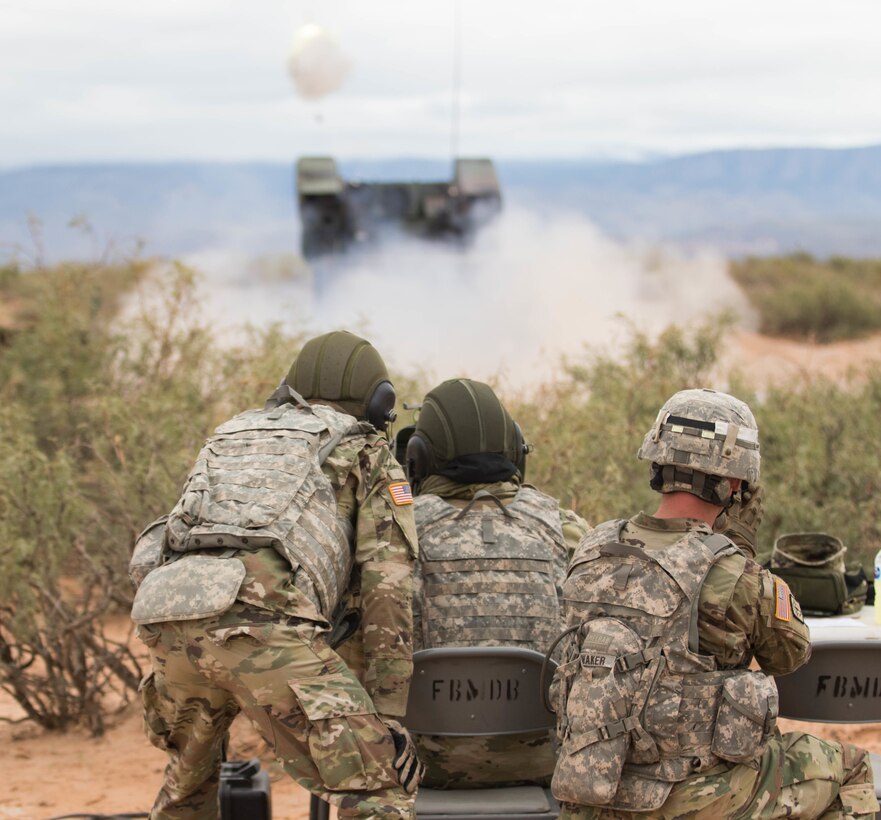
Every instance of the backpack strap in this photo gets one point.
(719, 545)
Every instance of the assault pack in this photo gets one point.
(638, 708)
(256, 483)
(488, 570)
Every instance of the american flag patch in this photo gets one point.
(401, 493)
(782, 611)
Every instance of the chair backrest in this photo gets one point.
(841, 683)
(475, 690)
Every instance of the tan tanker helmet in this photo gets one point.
(700, 438)
(347, 370)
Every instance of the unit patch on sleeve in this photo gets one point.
(400, 493)
(782, 609)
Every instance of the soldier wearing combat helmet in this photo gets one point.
(493, 554)
(658, 710)
(285, 510)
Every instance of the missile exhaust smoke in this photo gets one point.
(528, 291)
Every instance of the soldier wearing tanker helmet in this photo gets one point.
(658, 711)
(494, 558)
(285, 509)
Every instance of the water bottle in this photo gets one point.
(878, 587)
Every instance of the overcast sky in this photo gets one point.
(110, 80)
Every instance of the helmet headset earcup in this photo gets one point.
(521, 448)
(419, 459)
(381, 405)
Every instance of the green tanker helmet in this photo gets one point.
(465, 433)
(347, 370)
(700, 439)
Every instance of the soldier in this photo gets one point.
(279, 507)
(658, 711)
(494, 558)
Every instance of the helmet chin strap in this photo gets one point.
(713, 489)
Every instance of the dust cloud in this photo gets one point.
(528, 291)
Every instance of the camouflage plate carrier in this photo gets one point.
(488, 570)
(256, 483)
(638, 708)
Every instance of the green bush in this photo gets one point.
(800, 297)
(108, 386)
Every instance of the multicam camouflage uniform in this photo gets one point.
(267, 656)
(508, 600)
(798, 775)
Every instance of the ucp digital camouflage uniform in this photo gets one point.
(267, 656)
(478, 587)
(798, 775)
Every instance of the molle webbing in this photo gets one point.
(488, 570)
(655, 593)
(258, 483)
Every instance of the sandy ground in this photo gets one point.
(50, 774)
(764, 360)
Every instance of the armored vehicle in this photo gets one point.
(336, 214)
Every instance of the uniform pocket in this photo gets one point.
(350, 746)
(747, 716)
(598, 718)
(155, 726)
(859, 799)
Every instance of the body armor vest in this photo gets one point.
(258, 483)
(488, 570)
(638, 707)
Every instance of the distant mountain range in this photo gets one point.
(744, 201)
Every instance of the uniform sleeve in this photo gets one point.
(745, 614)
(574, 529)
(385, 551)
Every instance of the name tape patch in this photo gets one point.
(401, 493)
(782, 610)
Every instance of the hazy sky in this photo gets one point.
(107, 80)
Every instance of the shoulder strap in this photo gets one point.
(719, 545)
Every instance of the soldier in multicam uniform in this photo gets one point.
(493, 555)
(658, 712)
(286, 509)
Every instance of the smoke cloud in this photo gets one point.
(531, 289)
(316, 62)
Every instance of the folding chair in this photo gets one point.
(841, 683)
(466, 691)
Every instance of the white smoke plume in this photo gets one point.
(316, 63)
(530, 290)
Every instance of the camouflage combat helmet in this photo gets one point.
(465, 433)
(700, 439)
(347, 370)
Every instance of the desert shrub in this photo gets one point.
(820, 461)
(586, 429)
(819, 457)
(800, 297)
(111, 384)
(55, 659)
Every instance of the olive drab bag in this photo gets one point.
(638, 708)
(813, 565)
(488, 574)
(256, 483)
